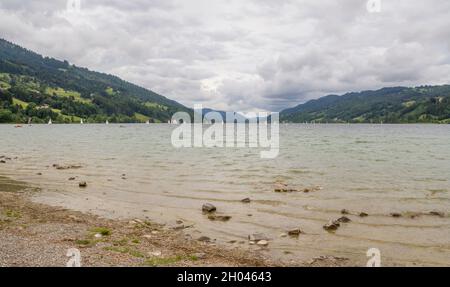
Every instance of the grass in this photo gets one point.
(23, 104)
(60, 92)
(125, 250)
(12, 213)
(155, 105)
(163, 261)
(140, 117)
(101, 230)
(110, 91)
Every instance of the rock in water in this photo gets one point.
(343, 219)
(208, 207)
(437, 213)
(345, 211)
(246, 200)
(331, 226)
(295, 232)
(219, 217)
(82, 184)
(204, 239)
(396, 215)
(363, 214)
(262, 243)
(257, 237)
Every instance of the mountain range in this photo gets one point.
(425, 104)
(42, 88)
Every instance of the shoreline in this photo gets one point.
(35, 234)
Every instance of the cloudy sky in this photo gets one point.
(242, 55)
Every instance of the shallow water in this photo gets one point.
(133, 171)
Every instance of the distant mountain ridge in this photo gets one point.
(42, 88)
(424, 104)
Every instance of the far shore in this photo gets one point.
(35, 234)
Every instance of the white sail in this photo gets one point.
(50, 122)
(81, 121)
(107, 122)
(147, 122)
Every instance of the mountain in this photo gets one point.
(37, 87)
(425, 104)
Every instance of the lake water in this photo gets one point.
(133, 171)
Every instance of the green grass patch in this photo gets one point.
(164, 261)
(102, 230)
(155, 106)
(12, 213)
(140, 117)
(60, 92)
(23, 104)
(125, 250)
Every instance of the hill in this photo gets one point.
(37, 87)
(425, 104)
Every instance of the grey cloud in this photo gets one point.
(242, 55)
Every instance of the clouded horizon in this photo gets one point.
(242, 55)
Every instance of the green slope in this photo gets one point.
(426, 104)
(43, 88)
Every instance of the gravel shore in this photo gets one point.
(34, 234)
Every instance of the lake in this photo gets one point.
(133, 171)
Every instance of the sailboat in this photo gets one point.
(81, 121)
(147, 122)
(50, 122)
(107, 122)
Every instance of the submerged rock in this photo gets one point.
(363, 214)
(64, 167)
(295, 232)
(204, 239)
(284, 190)
(256, 237)
(343, 219)
(331, 226)
(437, 213)
(219, 217)
(262, 243)
(208, 207)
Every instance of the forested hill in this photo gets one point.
(426, 104)
(42, 88)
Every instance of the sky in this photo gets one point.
(246, 55)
